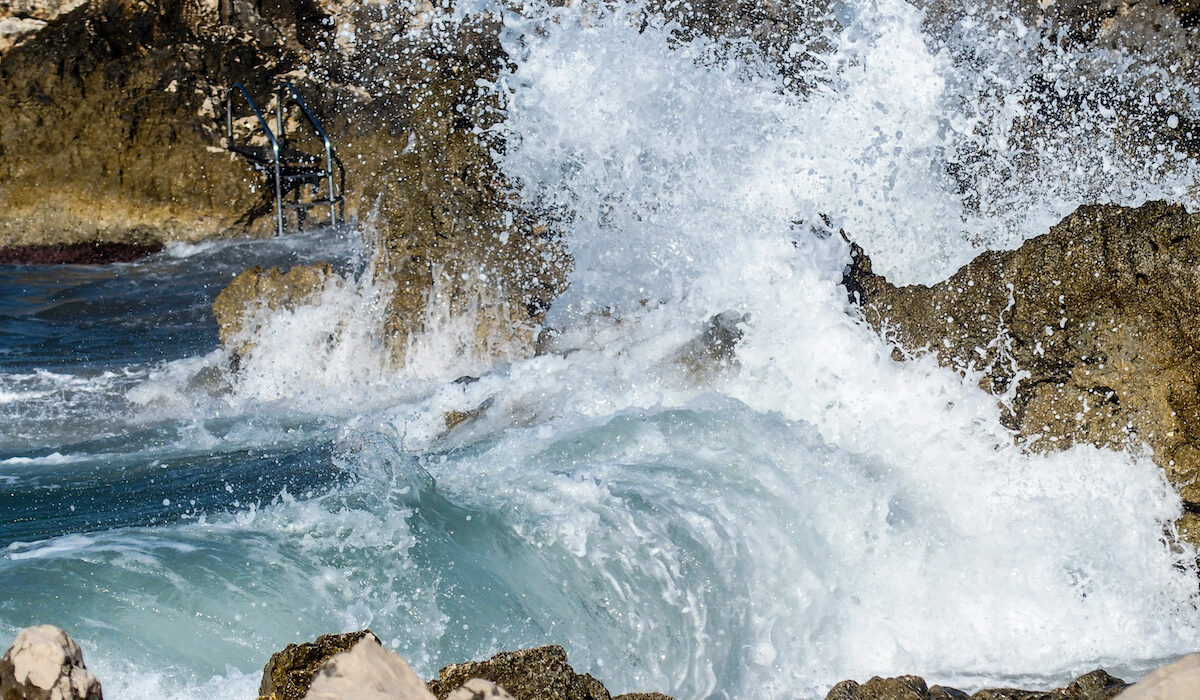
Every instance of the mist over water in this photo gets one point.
(809, 512)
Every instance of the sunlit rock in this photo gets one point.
(256, 291)
(1089, 333)
(44, 663)
(1097, 685)
(367, 672)
(1177, 681)
(289, 674)
(542, 673)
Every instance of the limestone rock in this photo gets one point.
(901, 688)
(255, 289)
(44, 663)
(368, 672)
(541, 673)
(1091, 331)
(479, 689)
(1177, 681)
(21, 19)
(289, 673)
(1097, 685)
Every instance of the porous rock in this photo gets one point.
(44, 663)
(1096, 685)
(541, 673)
(289, 674)
(1091, 332)
(367, 672)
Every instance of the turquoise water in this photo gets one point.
(808, 512)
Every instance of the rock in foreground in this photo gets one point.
(541, 673)
(1097, 685)
(44, 663)
(289, 673)
(1091, 332)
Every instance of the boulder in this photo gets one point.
(44, 663)
(1097, 685)
(1177, 681)
(289, 674)
(541, 673)
(901, 688)
(1089, 333)
(256, 290)
(367, 672)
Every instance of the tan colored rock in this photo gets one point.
(289, 674)
(256, 290)
(44, 663)
(367, 672)
(541, 673)
(1091, 331)
(1177, 681)
(479, 689)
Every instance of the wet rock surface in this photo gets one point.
(44, 663)
(256, 290)
(91, 253)
(1097, 685)
(1089, 332)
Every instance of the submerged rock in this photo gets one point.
(715, 346)
(1097, 685)
(44, 663)
(289, 674)
(1090, 333)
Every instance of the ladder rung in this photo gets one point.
(312, 203)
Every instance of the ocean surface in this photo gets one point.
(808, 512)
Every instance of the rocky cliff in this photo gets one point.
(1090, 333)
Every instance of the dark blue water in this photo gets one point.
(75, 456)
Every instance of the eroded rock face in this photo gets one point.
(1091, 331)
(44, 663)
(451, 235)
(109, 129)
(1097, 685)
(530, 674)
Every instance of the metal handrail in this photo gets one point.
(330, 156)
(279, 138)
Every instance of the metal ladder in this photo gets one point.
(288, 170)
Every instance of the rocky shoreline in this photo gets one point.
(44, 663)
